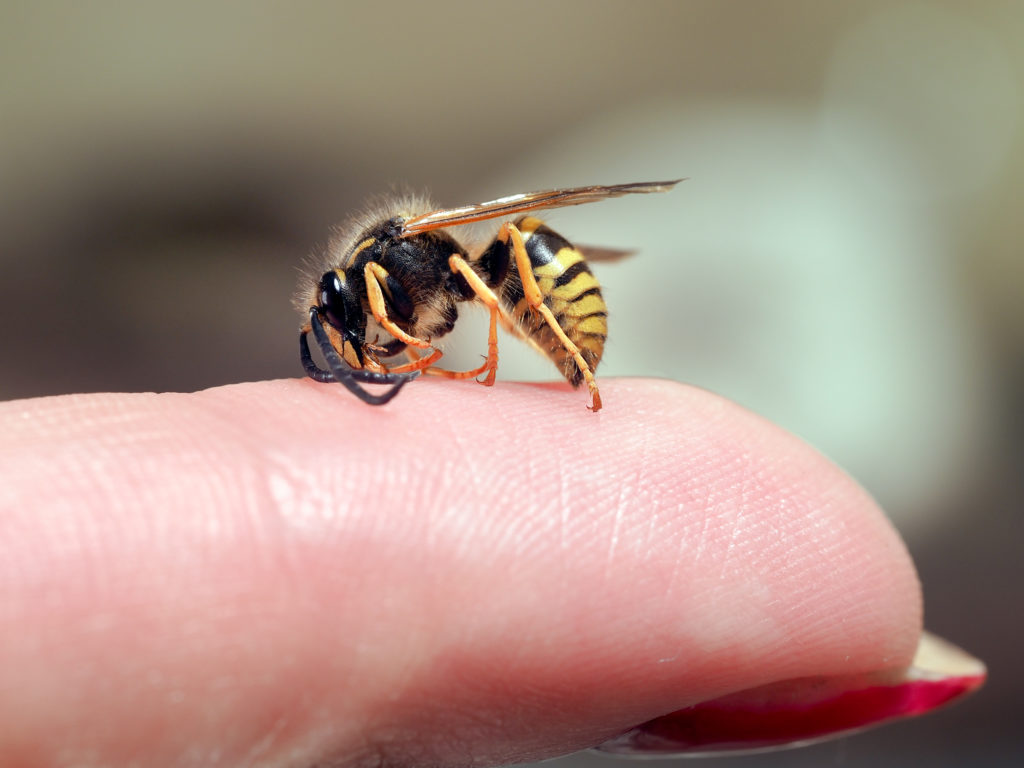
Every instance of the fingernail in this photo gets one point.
(798, 712)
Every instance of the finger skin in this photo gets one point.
(276, 574)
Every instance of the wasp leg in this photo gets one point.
(486, 295)
(341, 371)
(417, 363)
(536, 301)
(375, 274)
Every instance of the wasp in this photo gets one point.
(394, 280)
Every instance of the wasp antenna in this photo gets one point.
(342, 372)
(314, 371)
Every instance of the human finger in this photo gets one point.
(274, 573)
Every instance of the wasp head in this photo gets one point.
(337, 303)
(343, 311)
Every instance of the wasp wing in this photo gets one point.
(530, 201)
(595, 253)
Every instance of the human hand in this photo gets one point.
(275, 574)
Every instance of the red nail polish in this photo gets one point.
(798, 712)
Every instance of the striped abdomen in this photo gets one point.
(570, 291)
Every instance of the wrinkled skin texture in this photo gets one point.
(277, 574)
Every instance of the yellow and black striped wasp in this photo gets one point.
(393, 280)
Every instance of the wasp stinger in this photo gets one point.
(394, 278)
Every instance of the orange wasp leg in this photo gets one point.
(375, 275)
(535, 299)
(417, 363)
(486, 295)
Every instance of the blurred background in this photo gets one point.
(844, 258)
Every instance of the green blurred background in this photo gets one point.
(845, 257)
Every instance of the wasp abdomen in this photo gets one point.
(570, 291)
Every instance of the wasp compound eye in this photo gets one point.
(332, 299)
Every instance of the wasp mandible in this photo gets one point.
(394, 278)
